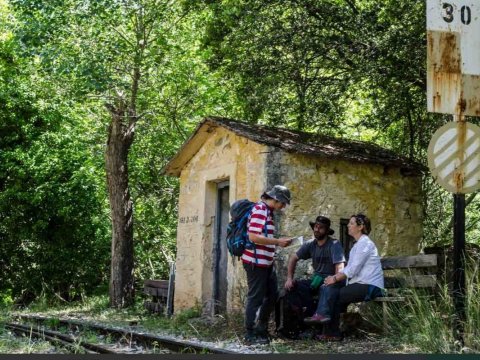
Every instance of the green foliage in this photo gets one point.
(304, 64)
(5, 299)
(438, 221)
(10, 344)
(54, 238)
(53, 323)
(185, 315)
(53, 235)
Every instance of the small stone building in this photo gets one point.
(226, 160)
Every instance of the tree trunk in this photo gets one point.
(116, 161)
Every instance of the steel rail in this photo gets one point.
(171, 344)
(56, 337)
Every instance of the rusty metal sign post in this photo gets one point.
(453, 87)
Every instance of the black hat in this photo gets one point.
(322, 220)
(279, 193)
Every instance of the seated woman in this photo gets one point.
(363, 273)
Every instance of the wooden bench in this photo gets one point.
(162, 292)
(404, 274)
(158, 290)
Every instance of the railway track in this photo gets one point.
(69, 342)
(148, 340)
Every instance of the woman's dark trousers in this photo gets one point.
(349, 294)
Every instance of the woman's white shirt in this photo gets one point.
(364, 264)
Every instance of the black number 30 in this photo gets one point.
(465, 13)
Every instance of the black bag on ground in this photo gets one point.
(293, 307)
(289, 315)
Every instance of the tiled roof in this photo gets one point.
(307, 143)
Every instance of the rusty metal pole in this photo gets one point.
(459, 235)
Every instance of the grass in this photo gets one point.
(10, 344)
(90, 337)
(428, 322)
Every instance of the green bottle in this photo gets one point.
(316, 281)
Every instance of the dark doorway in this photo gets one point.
(345, 239)
(220, 285)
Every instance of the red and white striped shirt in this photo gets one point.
(260, 215)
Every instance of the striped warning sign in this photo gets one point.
(454, 157)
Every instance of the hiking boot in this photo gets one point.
(317, 319)
(251, 339)
(263, 340)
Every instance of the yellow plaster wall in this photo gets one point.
(224, 156)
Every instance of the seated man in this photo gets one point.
(327, 259)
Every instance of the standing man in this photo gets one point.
(258, 263)
(327, 259)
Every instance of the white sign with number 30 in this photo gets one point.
(463, 17)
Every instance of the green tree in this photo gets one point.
(135, 65)
(189, 92)
(114, 51)
(339, 67)
(52, 233)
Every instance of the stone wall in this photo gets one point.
(338, 189)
